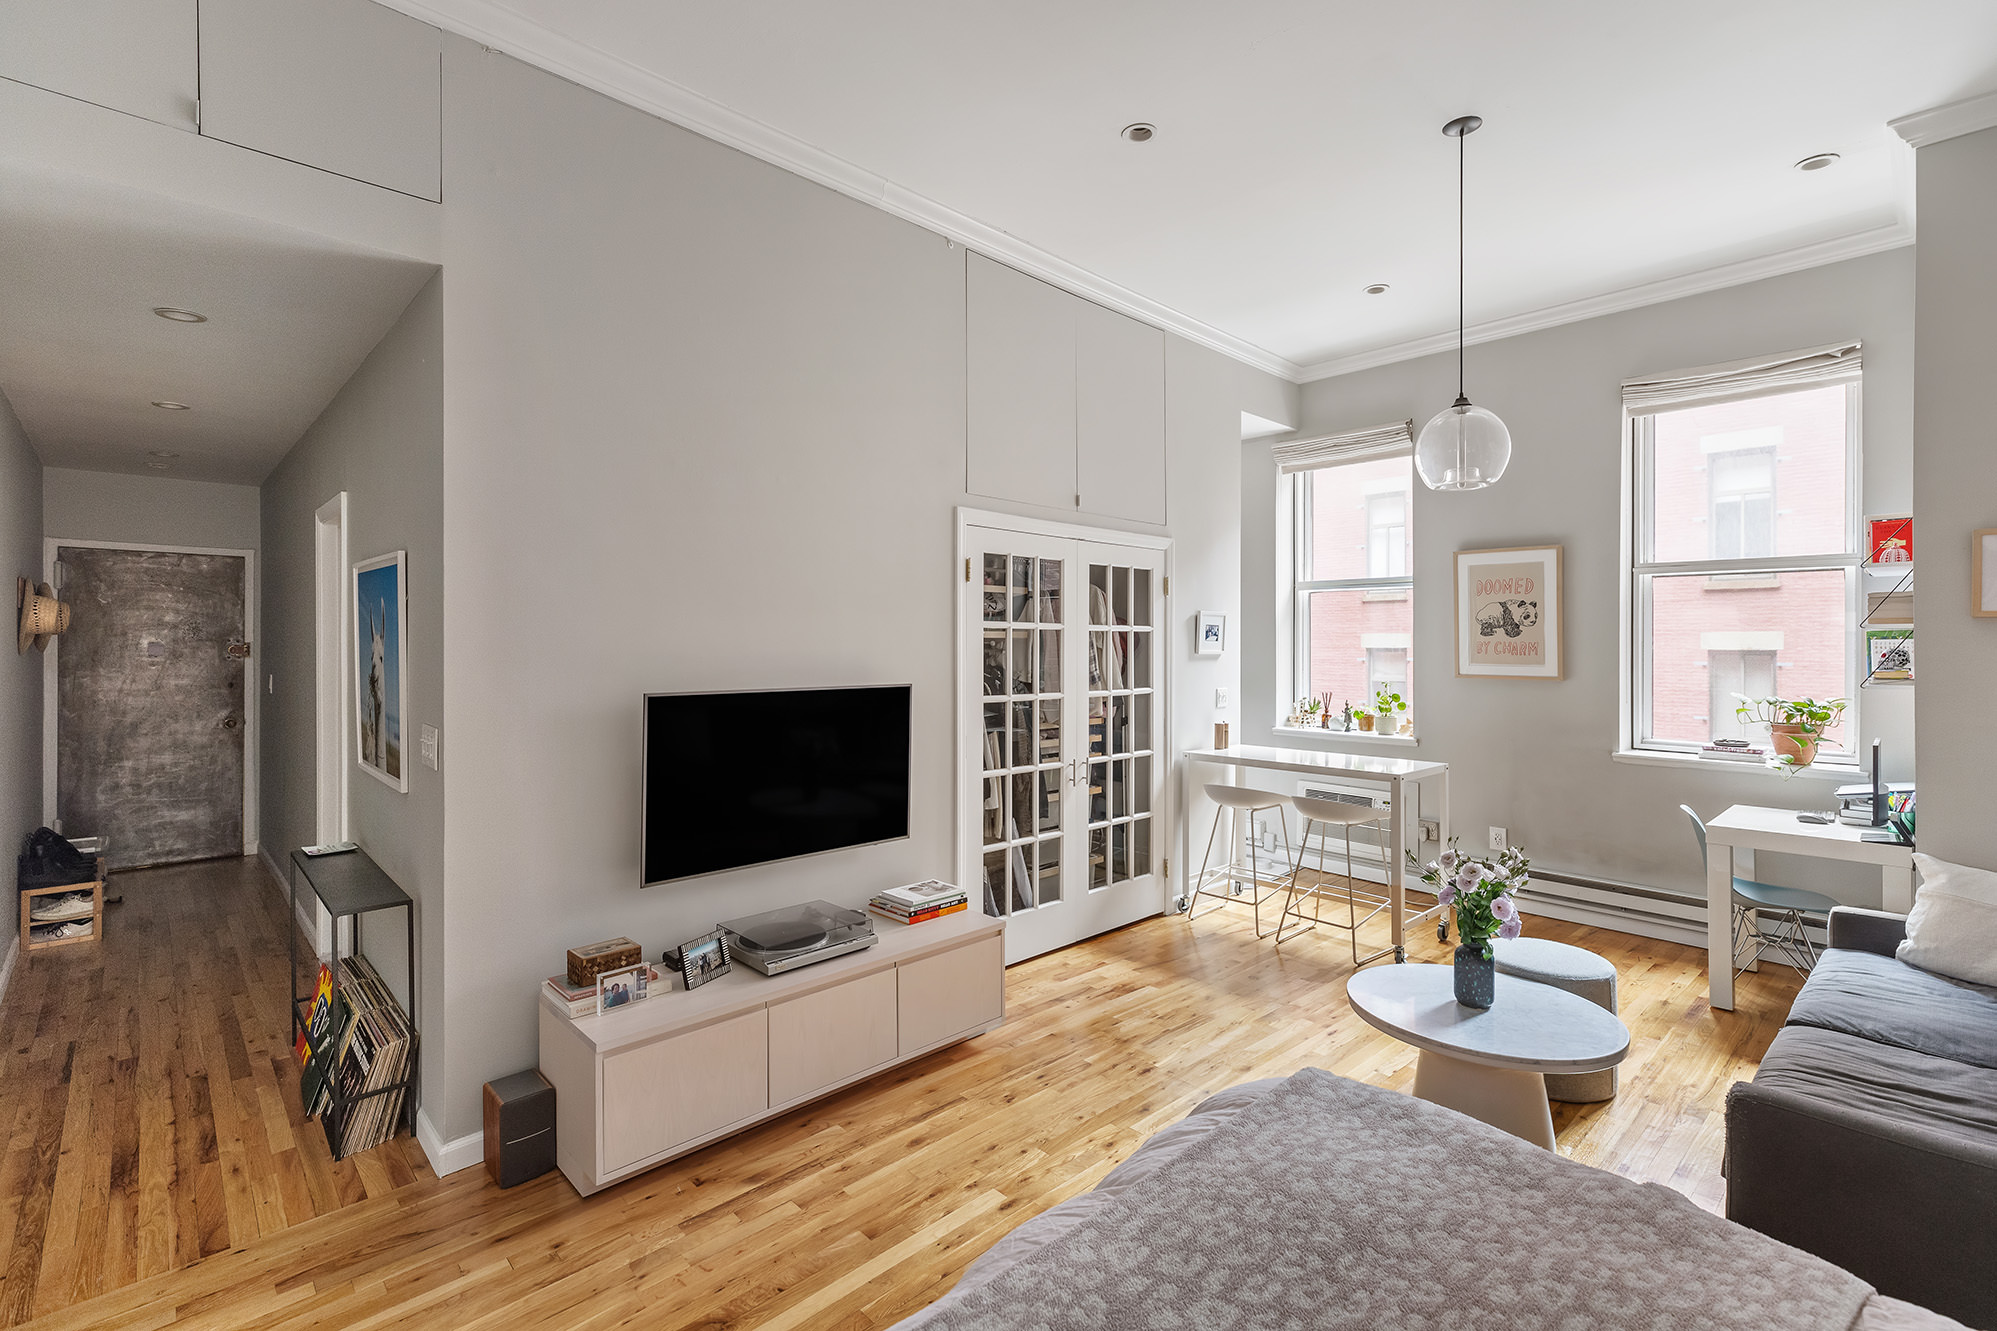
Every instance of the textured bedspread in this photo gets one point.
(1319, 1202)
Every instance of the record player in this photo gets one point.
(783, 940)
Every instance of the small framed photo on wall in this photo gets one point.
(1209, 633)
(1508, 613)
(1983, 573)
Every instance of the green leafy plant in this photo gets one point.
(1386, 700)
(1308, 707)
(1482, 891)
(1796, 726)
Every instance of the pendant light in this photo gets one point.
(1463, 447)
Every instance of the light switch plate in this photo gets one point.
(1220, 697)
(429, 747)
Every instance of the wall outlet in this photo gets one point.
(1220, 699)
(1498, 838)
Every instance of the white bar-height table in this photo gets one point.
(1751, 827)
(1394, 773)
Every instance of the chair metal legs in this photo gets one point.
(1229, 874)
(1318, 890)
(1787, 939)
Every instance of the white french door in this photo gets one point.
(1064, 723)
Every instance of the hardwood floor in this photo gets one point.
(149, 1097)
(849, 1213)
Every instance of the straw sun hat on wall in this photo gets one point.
(42, 616)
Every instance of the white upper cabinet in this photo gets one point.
(1065, 400)
(1020, 386)
(343, 85)
(135, 56)
(1119, 415)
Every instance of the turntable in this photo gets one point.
(783, 940)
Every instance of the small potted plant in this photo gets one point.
(1364, 718)
(1308, 709)
(1389, 705)
(1796, 726)
(1482, 893)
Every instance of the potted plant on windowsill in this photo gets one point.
(1363, 718)
(1388, 705)
(1796, 726)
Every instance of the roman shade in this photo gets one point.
(1837, 363)
(1394, 439)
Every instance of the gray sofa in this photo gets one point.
(1869, 1134)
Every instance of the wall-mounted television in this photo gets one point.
(734, 779)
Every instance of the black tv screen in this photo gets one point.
(733, 779)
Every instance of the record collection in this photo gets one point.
(360, 1102)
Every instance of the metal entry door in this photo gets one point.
(149, 703)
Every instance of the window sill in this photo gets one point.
(1841, 773)
(1363, 736)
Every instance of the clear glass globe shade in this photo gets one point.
(1462, 448)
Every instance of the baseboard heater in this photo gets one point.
(1676, 917)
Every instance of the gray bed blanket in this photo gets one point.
(1319, 1202)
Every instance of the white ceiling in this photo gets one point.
(1298, 155)
(82, 356)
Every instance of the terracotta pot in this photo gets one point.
(1793, 740)
(1365, 722)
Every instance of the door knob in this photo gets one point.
(229, 723)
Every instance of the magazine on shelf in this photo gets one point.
(921, 917)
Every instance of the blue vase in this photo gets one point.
(1476, 975)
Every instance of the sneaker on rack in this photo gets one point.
(50, 933)
(67, 906)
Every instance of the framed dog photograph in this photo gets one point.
(1508, 613)
(703, 958)
(381, 685)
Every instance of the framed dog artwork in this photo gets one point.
(381, 685)
(1508, 613)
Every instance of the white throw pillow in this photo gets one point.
(1953, 928)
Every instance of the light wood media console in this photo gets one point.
(640, 1086)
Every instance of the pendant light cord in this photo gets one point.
(1459, 263)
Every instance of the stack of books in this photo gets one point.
(919, 902)
(1734, 751)
(579, 1000)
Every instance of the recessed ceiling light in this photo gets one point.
(1817, 163)
(179, 316)
(163, 454)
(171, 406)
(157, 466)
(1377, 289)
(1139, 132)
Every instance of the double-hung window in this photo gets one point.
(1352, 583)
(1743, 553)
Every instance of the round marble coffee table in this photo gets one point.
(1489, 1063)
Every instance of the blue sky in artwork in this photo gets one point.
(377, 598)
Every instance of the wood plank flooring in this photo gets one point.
(149, 1097)
(847, 1214)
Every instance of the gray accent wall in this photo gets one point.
(1533, 756)
(149, 510)
(21, 676)
(381, 441)
(1955, 492)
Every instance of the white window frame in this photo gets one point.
(1639, 569)
(1302, 584)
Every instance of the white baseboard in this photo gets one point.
(7, 966)
(452, 1156)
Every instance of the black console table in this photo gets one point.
(349, 885)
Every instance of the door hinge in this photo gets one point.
(1166, 867)
(1168, 584)
(967, 568)
(197, 115)
(1078, 501)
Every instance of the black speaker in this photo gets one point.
(519, 1128)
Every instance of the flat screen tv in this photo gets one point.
(733, 779)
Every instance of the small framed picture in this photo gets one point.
(703, 958)
(616, 989)
(1983, 573)
(1210, 633)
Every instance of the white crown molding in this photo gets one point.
(1892, 236)
(579, 62)
(1948, 121)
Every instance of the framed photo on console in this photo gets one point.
(621, 988)
(1508, 613)
(703, 958)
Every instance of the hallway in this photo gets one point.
(149, 1096)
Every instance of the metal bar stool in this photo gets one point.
(1235, 801)
(1788, 906)
(1326, 814)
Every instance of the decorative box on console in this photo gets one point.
(586, 963)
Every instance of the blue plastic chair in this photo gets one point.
(1789, 906)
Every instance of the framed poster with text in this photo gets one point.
(1508, 613)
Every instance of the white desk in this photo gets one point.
(1750, 827)
(1393, 773)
